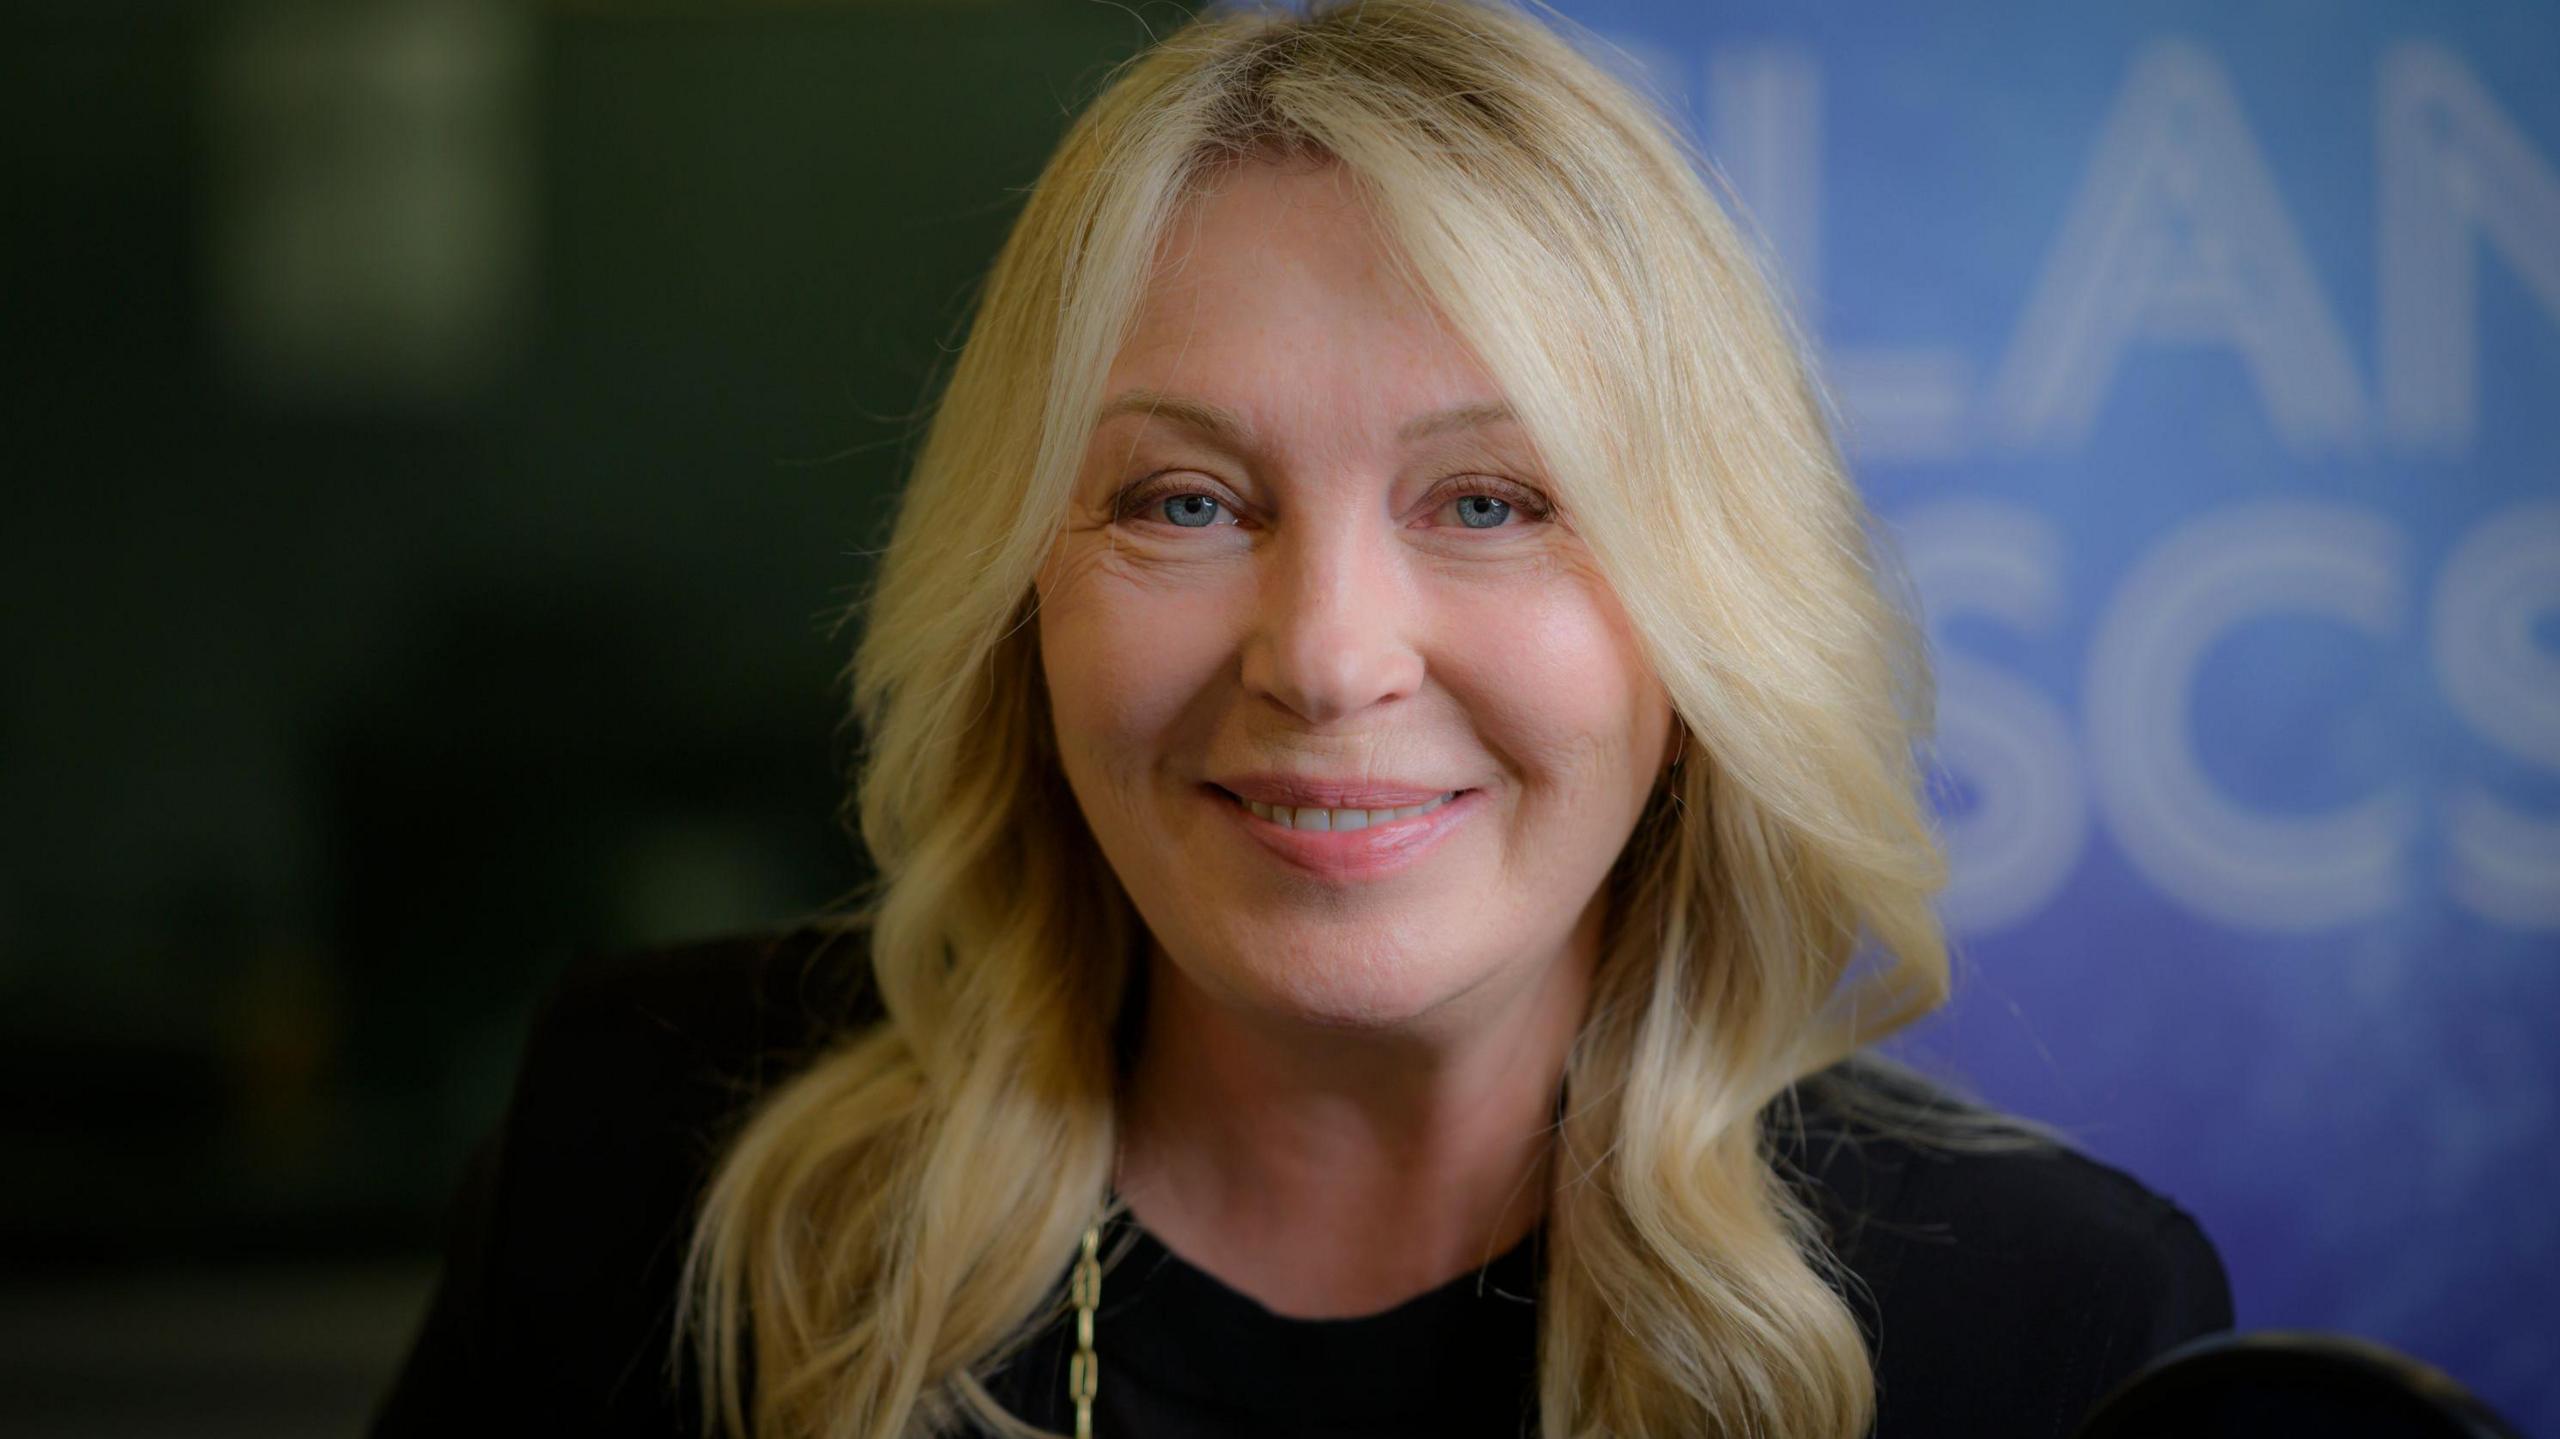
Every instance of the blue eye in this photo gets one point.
(1190, 511)
(1482, 512)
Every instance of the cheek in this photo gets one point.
(1124, 665)
(1561, 691)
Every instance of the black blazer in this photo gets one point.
(2003, 1294)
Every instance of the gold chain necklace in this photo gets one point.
(1084, 1372)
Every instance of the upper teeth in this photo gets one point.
(1281, 814)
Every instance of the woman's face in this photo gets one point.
(1308, 564)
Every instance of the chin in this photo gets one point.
(1369, 983)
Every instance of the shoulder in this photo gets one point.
(639, 1066)
(2008, 1280)
(567, 1238)
(732, 1011)
(642, 1063)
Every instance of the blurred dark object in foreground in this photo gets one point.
(2277, 1384)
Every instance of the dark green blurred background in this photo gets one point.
(445, 436)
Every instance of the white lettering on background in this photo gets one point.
(2503, 862)
(1764, 120)
(2177, 235)
(2243, 868)
(1764, 124)
(2011, 746)
(2453, 168)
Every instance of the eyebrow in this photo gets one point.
(1215, 421)
(1220, 423)
(1457, 417)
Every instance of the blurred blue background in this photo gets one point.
(443, 433)
(2205, 360)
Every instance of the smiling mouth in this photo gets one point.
(1335, 820)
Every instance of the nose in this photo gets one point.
(1336, 626)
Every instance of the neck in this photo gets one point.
(1329, 1171)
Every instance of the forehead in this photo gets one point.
(1276, 294)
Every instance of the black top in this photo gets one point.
(2002, 1294)
(1185, 1356)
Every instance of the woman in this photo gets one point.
(1385, 742)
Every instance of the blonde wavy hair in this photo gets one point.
(894, 1222)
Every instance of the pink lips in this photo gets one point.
(1330, 794)
(1359, 854)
